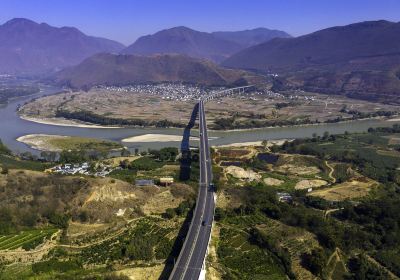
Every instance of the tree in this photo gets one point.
(48, 156)
(139, 249)
(169, 213)
(314, 136)
(125, 153)
(264, 143)
(74, 156)
(4, 149)
(59, 220)
(83, 216)
(219, 214)
(362, 269)
(124, 164)
(315, 261)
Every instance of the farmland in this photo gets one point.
(113, 107)
(26, 239)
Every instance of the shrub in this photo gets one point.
(4, 170)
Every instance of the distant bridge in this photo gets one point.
(227, 92)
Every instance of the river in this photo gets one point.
(12, 127)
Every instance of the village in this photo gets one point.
(82, 168)
(102, 170)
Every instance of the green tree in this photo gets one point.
(139, 249)
(125, 153)
(315, 261)
(169, 213)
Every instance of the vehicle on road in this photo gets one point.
(211, 187)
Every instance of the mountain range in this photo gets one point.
(360, 60)
(27, 47)
(30, 47)
(122, 69)
(215, 46)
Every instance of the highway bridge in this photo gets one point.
(190, 263)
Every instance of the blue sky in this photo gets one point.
(126, 20)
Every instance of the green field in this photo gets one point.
(26, 239)
(243, 260)
(370, 152)
(83, 143)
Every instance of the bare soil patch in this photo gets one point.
(306, 184)
(241, 173)
(298, 170)
(355, 188)
(158, 203)
(273, 182)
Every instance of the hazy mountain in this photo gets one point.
(361, 60)
(112, 69)
(247, 38)
(30, 47)
(214, 46)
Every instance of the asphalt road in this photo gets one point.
(190, 260)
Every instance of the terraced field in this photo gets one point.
(243, 260)
(26, 239)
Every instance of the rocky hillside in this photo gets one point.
(112, 69)
(361, 60)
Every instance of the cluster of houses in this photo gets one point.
(167, 91)
(80, 168)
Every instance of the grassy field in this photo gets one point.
(47, 142)
(146, 168)
(26, 239)
(81, 143)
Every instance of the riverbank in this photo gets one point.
(394, 120)
(307, 124)
(146, 138)
(40, 141)
(74, 123)
(254, 143)
(64, 122)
